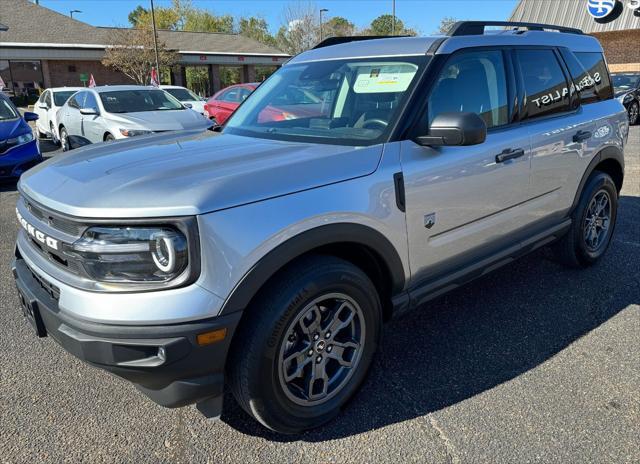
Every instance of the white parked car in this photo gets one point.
(186, 97)
(47, 106)
(116, 112)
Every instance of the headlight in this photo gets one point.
(133, 254)
(134, 132)
(21, 139)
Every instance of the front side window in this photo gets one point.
(472, 82)
(346, 102)
(546, 88)
(59, 98)
(136, 101)
(7, 111)
(77, 100)
(90, 101)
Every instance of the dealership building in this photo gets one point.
(618, 30)
(40, 48)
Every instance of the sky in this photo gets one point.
(422, 15)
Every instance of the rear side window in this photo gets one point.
(472, 82)
(595, 65)
(545, 84)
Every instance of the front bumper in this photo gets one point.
(165, 362)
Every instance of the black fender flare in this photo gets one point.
(610, 152)
(305, 242)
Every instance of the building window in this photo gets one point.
(72, 68)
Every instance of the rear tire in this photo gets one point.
(286, 368)
(593, 223)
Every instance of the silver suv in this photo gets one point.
(361, 180)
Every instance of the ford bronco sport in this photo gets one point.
(266, 258)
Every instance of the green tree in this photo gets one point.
(383, 25)
(203, 21)
(256, 29)
(166, 18)
(338, 26)
(135, 15)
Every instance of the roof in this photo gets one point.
(419, 46)
(571, 13)
(62, 31)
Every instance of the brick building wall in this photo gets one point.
(59, 73)
(622, 49)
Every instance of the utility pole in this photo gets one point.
(322, 10)
(393, 20)
(155, 38)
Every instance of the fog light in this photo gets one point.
(209, 338)
(162, 353)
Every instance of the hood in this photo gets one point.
(160, 120)
(187, 174)
(12, 128)
(621, 92)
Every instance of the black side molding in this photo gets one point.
(398, 182)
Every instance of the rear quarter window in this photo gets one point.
(590, 75)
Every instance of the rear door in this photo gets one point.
(462, 203)
(561, 129)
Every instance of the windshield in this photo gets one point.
(137, 101)
(345, 102)
(60, 98)
(183, 94)
(624, 81)
(7, 111)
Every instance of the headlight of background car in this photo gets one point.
(21, 139)
(133, 254)
(134, 132)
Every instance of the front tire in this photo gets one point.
(306, 344)
(593, 223)
(634, 113)
(64, 139)
(109, 138)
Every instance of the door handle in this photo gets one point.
(581, 136)
(509, 154)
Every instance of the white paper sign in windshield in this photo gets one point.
(381, 78)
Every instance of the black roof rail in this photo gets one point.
(478, 27)
(355, 38)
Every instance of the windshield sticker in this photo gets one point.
(385, 78)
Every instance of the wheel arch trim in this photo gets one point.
(306, 242)
(609, 152)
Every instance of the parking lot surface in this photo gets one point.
(533, 363)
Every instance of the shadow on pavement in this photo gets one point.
(482, 335)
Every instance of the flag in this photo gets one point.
(154, 78)
(92, 81)
(1, 83)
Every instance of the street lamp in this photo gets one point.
(155, 37)
(74, 11)
(322, 10)
(393, 19)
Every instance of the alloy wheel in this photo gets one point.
(597, 221)
(321, 349)
(64, 140)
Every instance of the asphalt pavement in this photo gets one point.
(533, 363)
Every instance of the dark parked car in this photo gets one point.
(627, 90)
(19, 150)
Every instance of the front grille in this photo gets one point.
(54, 220)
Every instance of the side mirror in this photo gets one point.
(29, 116)
(188, 105)
(89, 111)
(43, 106)
(455, 129)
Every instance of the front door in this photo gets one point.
(462, 203)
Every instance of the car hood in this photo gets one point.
(160, 120)
(187, 174)
(12, 128)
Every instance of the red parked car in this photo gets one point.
(224, 103)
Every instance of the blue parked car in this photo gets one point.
(19, 150)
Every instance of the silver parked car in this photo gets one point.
(268, 257)
(122, 111)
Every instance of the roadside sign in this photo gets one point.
(84, 78)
